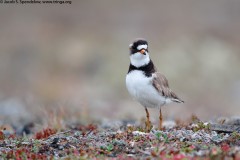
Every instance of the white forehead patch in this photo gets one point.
(144, 46)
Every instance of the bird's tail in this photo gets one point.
(177, 100)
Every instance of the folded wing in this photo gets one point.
(160, 82)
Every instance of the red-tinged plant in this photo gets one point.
(45, 133)
(12, 136)
(24, 153)
(75, 152)
(180, 157)
(192, 147)
(2, 136)
(225, 147)
(214, 151)
(163, 153)
(173, 152)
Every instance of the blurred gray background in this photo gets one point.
(75, 57)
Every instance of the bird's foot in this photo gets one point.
(148, 126)
(160, 127)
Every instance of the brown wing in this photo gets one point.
(160, 82)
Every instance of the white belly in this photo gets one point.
(140, 87)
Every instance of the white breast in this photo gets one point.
(140, 87)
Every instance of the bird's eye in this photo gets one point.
(141, 49)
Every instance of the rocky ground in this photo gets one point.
(126, 140)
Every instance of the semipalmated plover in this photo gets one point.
(149, 87)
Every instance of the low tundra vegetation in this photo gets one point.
(194, 140)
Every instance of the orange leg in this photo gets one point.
(148, 122)
(160, 120)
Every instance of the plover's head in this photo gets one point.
(139, 53)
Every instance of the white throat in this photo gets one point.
(138, 59)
